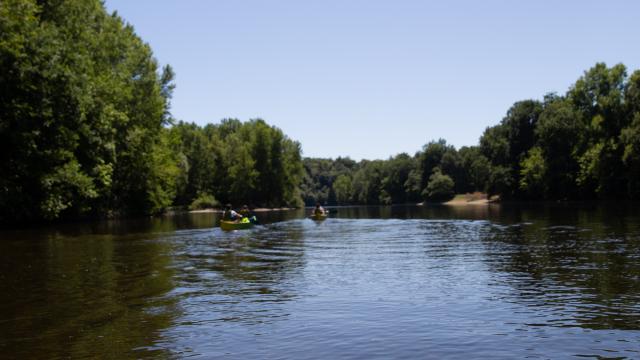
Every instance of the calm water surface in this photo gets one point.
(543, 281)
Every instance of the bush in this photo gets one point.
(439, 188)
(204, 201)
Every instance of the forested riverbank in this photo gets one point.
(581, 145)
(86, 132)
(85, 127)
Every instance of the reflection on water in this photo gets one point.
(499, 281)
(78, 297)
(585, 275)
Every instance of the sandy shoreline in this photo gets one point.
(459, 202)
(470, 199)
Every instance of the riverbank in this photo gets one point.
(253, 210)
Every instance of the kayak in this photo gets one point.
(232, 225)
(318, 217)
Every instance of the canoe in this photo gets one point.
(318, 217)
(232, 225)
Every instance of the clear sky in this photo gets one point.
(370, 79)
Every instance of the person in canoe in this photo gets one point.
(246, 213)
(318, 211)
(230, 215)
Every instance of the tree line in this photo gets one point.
(240, 162)
(584, 144)
(434, 174)
(85, 131)
(85, 128)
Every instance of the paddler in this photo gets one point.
(245, 212)
(229, 214)
(319, 210)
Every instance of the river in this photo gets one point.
(499, 281)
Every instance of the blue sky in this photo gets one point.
(370, 79)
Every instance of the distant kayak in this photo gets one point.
(318, 217)
(232, 225)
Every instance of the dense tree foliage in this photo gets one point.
(578, 146)
(439, 188)
(250, 163)
(320, 176)
(82, 108)
(85, 127)
(398, 180)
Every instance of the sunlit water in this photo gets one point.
(550, 281)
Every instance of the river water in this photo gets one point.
(499, 281)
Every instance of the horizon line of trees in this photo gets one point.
(584, 144)
(85, 132)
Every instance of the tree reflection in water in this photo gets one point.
(76, 297)
(573, 268)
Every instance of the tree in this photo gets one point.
(533, 174)
(342, 188)
(507, 144)
(559, 132)
(476, 168)
(396, 172)
(630, 136)
(500, 181)
(440, 187)
(431, 157)
(598, 96)
(82, 109)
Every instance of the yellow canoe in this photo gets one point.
(232, 225)
(318, 217)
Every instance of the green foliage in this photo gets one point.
(440, 187)
(494, 144)
(397, 180)
(204, 201)
(533, 174)
(500, 181)
(319, 177)
(396, 184)
(84, 112)
(476, 170)
(558, 132)
(63, 184)
(431, 157)
(343, 189)
(630, 137)
(585, 140)
(162, 176)
(367, 182)
(81, 111)
(506, 144)
(249, 162)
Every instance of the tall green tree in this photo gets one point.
(559, 132)
(630, 136)
(508, 143)
(82, 109)
(598, 96)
